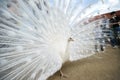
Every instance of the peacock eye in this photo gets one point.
(70, 39)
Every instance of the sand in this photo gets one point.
(102, 66)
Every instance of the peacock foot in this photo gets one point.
(62, 75)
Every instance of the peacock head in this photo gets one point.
(70, 39)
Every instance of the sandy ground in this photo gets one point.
(102, 66)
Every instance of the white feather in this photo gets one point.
(35, 37)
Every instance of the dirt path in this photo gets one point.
(104, 66)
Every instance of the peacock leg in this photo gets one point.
(62, 75)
